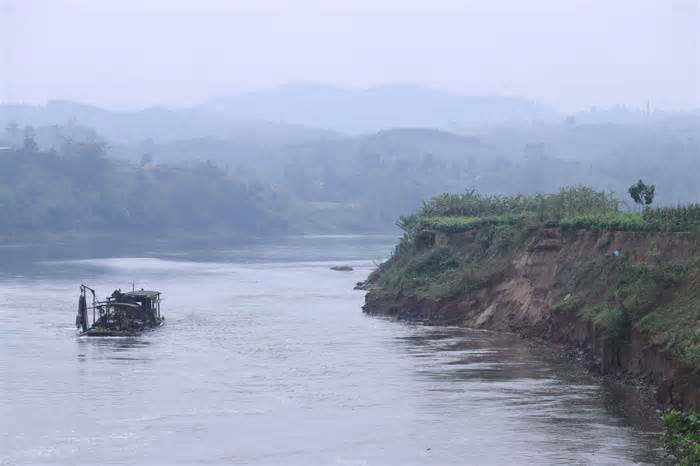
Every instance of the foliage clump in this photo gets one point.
(635, 294)
(641, 298)
(682, 436)
(420, 270)
(570, 302)
(642, 193)
(613, 320)
(674, 325)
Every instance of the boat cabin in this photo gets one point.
(120, 314)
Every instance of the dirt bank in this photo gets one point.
(630, 301)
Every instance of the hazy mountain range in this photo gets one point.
(290, 113)
(157, 123)
(318, 158)
(378, 108)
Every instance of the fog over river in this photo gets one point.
(266, 358)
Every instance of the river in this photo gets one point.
(266, 358)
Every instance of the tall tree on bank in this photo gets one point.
(642, 194)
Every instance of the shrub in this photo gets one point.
(432, 263)
(570, 302)
(682, 436)
(613, 320)
(640, 286)
(675, 325)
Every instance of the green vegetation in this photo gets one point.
(457, 244)
(641, 286)
(673, 325)
(642, 194)
(578, 207)
(448, 270)
(421, 270)
(354, 183)
(614, 321)
(570, 302)
(610, 221)
(679, 218)
(661, 300)
(682, 436)
(432, 264)
(542, 208)
(457, 224)
(639, 296)
(82, 190)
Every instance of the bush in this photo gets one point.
(570, 302)
(682, 436)
(614, 321)
(674, 326)
(640, 286)
(432, 263)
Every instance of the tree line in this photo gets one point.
(78, 188)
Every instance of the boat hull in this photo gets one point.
(106, 332)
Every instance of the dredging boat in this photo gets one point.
(120, 314)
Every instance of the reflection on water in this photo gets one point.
(265, 358)
(538, 392)
(117, 348)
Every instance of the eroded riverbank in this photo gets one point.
(627, 300)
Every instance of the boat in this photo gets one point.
(121, 314)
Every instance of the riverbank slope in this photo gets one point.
(629, 300)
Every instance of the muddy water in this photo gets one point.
(265, 358)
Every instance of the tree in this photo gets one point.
(642, 194)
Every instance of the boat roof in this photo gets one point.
(112, 304)
(150, 294)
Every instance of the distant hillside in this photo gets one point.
(378, 108)
(160, 124)
(289, 115)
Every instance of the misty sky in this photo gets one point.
(570, 54)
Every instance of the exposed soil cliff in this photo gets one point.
(630, 300)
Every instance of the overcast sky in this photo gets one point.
(570, 54)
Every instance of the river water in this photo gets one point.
(266, 358)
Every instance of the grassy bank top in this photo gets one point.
(577, 207)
